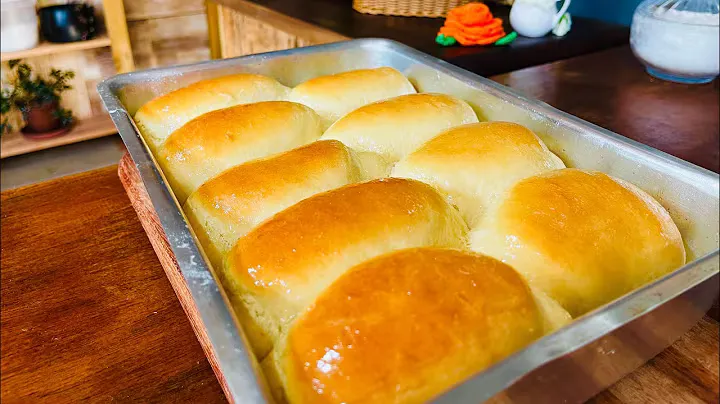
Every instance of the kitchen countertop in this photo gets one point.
(612, 89)
(337, 17)
(87, 312)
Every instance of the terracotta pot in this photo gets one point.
(41, 118)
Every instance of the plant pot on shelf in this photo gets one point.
(43, 120)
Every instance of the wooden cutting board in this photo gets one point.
(686, 372)
(140, 200)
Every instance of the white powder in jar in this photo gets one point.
(18, 37)
(682, 42)
(18, 25)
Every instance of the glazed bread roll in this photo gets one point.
(396, 127)
(406, 326)
(582, 237)
(356, 289)
(475, 164)
(221, 139)
(335, 95)
(161, 116)
(229, 205)
(283, 264)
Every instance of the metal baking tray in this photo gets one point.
(571, 365)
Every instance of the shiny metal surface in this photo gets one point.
(570, 365)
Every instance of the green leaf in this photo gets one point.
(443, 40)
(507, 39)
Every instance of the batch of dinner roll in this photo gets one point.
(382, 245)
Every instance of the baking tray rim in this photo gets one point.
(240, 369)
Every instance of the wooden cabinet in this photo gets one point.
(167, 32)
(244, 28)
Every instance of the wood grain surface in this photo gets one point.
(242, 34)
(612, 89)
(140, 200)
(87, 312)
(686, 372)
(169, 40)
(167, 32)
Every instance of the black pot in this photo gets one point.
(67, 22)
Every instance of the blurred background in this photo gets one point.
(617, 11)
(55, 52)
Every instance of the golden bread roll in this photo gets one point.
(221, 139)
(404, 327)
(475, 164)
(582, 237)
(396, 127)
(229, 205)
(283, 264)
(161, 116)
(335, 95)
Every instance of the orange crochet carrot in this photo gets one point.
(472, 24)
(471, 14)
(493, 28)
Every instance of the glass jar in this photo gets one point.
(678, 40)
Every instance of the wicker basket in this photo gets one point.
(408, 8)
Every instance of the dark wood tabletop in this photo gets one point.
(587, 35)
(612, 89)
(88, 315)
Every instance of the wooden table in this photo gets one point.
(611, 89)
(87, 312)
(239, 27)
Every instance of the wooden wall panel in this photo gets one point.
(167, 32)
(243, 35)
(105, 67)
(169, 41)
(246, 28)
(150, 9)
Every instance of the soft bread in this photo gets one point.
(161, 116)
(335, 95)
(475, 164)
(352, 291)
(396, 127)
(582, 237)
(405, 327)
(284, 263)
(221, 139)
(229, 205)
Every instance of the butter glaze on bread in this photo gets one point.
(218, 140)
(229, 205)
(475, 164)
(396, 127)
(284, 263)
(361, 292)
(404, 327)
(161, 116)
(582, 237)
(335, 95)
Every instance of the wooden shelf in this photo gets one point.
(48, 48)
(13, 144)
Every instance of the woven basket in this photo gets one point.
(408, 8)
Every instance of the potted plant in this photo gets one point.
(38, 99)
(5, 106)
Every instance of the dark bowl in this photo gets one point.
(67, 22)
